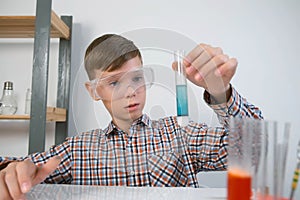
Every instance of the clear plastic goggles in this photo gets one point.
(116, 86)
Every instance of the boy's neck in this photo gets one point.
(123, 125)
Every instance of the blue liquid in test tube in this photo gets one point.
(182, 100)
(181, 86)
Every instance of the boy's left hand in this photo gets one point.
(210, 68)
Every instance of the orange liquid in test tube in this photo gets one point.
(239, 185)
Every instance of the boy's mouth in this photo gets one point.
(132, 107)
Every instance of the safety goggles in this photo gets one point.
(115, 86)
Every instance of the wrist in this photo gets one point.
(218, 97)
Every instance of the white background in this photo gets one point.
(262, 35)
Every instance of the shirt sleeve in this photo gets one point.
(62, 174)
(236, 106)
(207, 146)
(4, 161)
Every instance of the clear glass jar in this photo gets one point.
(28, 101)
(9, 104)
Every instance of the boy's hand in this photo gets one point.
(210, 68)
(19, 177)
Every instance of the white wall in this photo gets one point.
(262, 35)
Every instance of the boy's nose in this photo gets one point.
(130, 91)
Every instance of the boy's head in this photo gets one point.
(108, 53)
(114, 66)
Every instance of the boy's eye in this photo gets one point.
(138, 78)
(114, 83)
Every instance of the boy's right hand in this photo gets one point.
(19, 177)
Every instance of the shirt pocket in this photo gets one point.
(167, 169)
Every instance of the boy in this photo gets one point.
(134, 150)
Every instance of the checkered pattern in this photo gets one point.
(154, 153)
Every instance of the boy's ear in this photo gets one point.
(91, 91)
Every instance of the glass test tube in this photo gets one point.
(181, 86)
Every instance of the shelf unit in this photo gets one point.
(43, 26)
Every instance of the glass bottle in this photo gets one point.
(8, 100)
(28, 102)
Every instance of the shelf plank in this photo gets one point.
(24, 27)
(56, 114)
(59, 26)
(53, 115)
(14, 117)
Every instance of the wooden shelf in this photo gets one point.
(24, 27)
(53, 115)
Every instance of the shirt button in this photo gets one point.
(164, 157)
(130, 171)
(129, 141)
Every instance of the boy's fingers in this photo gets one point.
(195, 53)
(199, 57)
(3, 188)
(46, 169)
(11, 181)
(228, 68)
(174, 66)
(213, 64)
(26, 171)
(29, 174)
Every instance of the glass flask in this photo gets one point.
(9, 104)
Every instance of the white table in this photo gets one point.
(74, 192)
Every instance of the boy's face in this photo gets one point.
(121, 91)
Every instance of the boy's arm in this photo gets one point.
(207, 144)
(236, 106)
(19, 175)
(63, 172)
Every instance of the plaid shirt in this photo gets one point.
(154, 153)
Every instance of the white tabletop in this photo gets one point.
(45, 191)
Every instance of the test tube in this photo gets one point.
(181, 88)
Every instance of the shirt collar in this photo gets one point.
(143, 120)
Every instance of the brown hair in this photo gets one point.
(108, 53)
